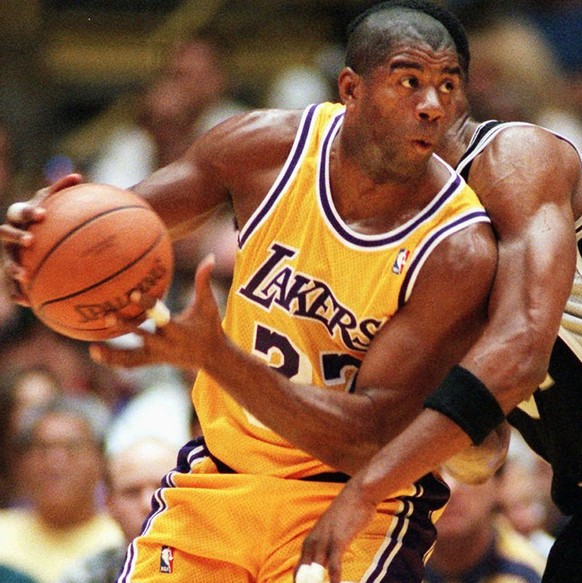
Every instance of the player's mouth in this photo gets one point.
(423, 146)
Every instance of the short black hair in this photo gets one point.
(358, 46)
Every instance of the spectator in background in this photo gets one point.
(525, 498)
(132, 476)
(8, 575)
(20, 391)
(7, 167)
(516, 77)
(560, 22)
(474, 545)
(190, 95)
(26, 342)
(297, 86)
(162, 409)
(62, 520)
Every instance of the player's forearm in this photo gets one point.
(333, 426)
(410, 456)
(174, 200)
(527, 302)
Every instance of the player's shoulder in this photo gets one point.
(261, 128)
(474, 244)
(535, 143)
(248, 141)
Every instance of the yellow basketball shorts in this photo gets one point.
(213, 527)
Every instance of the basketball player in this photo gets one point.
(529, 181)
(357, 247)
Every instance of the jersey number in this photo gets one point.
(279, 352)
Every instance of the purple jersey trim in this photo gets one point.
(479, 216)
(384, 239)
(278, 187)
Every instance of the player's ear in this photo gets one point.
(348, 85)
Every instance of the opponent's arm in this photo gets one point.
(408, 356)
(526, 180)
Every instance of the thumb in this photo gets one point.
(203, 274)
(202, 296)
(65, 182)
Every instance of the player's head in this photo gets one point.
(372, 33)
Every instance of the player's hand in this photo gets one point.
(185, 341)
(328, 540)
(14, 234)
(476, 464)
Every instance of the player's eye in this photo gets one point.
(447, 86)
(409, 82)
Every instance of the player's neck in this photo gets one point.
(370, 207)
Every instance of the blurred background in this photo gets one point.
(70, 70)
(115, 89)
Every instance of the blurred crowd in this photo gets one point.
(59, 410)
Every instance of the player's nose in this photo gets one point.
(430, 107)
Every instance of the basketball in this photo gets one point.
(96, 246)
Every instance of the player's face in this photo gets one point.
(404, 107)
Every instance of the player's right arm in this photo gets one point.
(234, 163)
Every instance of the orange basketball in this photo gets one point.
(97, 245)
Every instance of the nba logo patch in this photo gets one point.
(400, 261)
(167, 560)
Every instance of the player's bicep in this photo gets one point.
(534, 278)
(444, 315)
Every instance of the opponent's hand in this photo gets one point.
(185, 341)
(476, 464)
(14, 233)
(328, 540)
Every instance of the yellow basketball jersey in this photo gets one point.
(309, 293)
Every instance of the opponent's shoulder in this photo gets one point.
(523, 167)
(517, 142)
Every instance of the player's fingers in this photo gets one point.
(65, 182)
(116, 357)
(14, 271)
(21, 213)
(334, 567)
(203, 275)
(14, 236)
(14, 276)
(154, 308)
(312, 573)
(17, 295)
(308, 551)
(203, 297)
(159, 313)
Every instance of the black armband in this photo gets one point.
(464, 399)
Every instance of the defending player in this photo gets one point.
(529, 181)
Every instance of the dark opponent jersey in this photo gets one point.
(551, 420)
